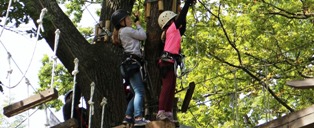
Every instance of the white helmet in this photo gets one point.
(165, 17)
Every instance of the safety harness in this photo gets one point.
(131, 64)
(170, 61)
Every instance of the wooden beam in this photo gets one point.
(30, 102)
(302, 84)
(188, 97)
(152, 124)
(299, 119)
(70, 123)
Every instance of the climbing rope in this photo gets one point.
(40, 21)
(74, 73)
(91, 104)
(6, 17)
(17, 126)
(28, 84)
(40, 29)
(9, 72)
(54, 57)
(103, 104)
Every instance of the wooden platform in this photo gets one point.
(302, 84)
(300, 119)
(152, 124)
(30, 102)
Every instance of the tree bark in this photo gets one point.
(100, 62)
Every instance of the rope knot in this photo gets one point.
(104, 101)
(75, 71)
(40, 20)
(91, 105)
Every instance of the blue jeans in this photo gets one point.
(135, 105)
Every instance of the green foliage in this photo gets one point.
(75, 9)
(87, 32)
(235, 50)
(63, 80)
(17, 11)
(236, 47)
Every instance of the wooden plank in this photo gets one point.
(302, 84)
(30, 102)
(71, 123)
(299, 119)
(152, 124)
(188, 97)
(124, 126)
(160, 124)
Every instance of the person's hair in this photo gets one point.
(115, 37)
(115, 33)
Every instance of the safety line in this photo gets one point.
(6, 17)
(25, 119)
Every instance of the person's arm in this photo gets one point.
(137, 33)
(181, 20)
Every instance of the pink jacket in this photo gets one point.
(173, 40)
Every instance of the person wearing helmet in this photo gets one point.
(129, 39)
(79, 113)
(173, 30)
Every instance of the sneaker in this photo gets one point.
(161, 116)
(128, 120)
(170, 118)
(141, 122)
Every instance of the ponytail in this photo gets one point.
(115, 37)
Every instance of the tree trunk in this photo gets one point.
(99, 62)
(153, 49)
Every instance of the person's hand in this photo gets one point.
(137, 18)
(138, 23)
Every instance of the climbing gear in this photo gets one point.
(118, 16)
(170, 61)
(130, 65)
(167, 57)
(165, 17)
(54, 57)
(74, 73)
(103, 104)
(102, 32)
(91, 104)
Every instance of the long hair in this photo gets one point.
(115, 36)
